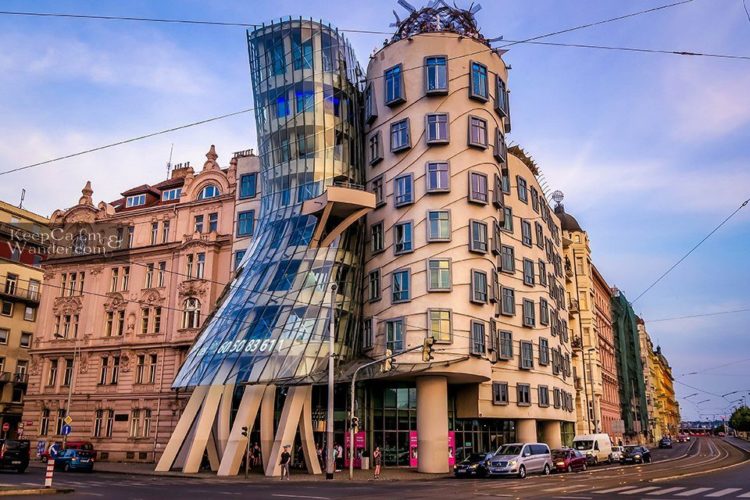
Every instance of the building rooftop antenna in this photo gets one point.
(23, 195)
(169, 163)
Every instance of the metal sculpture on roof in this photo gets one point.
(437, 17)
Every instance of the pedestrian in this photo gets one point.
(377, 457)
(256, 455)
(339, 458)
(285, 458)
(319, 452)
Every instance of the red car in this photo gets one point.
(568, 460)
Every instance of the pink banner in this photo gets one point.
(451, 448)
(359, 446)
(413, 453)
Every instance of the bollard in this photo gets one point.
(50, 472)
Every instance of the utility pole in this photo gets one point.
(330, 463)
(71, 383)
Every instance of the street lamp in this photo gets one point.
(72, 380)
(330, 464)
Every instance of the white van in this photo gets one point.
(596, 447)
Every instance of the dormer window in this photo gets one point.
(135, 201)
(210, 191)
(171, 194)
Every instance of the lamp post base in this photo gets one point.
(329, 475)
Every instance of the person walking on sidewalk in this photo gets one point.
(285, 459)
(377, 457)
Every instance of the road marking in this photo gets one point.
(725, 491)
(745, 495)
(613, 490)
(690, 493)
(298, 496)
(640, 490)
(667, 490)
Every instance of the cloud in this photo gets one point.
(152, 62)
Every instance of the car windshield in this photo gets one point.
(559, 453)
(616, 448)
(509, 450)
(583, 445)
(630, 448)
(474, 457)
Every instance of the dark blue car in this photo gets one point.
(69, 460)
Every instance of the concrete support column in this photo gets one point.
(432, 424)
(526, 430)
(552, 433)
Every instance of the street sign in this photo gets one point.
(66, 429)
(6, 427)
(68, 420)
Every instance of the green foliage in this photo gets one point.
(740, 419)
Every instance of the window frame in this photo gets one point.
(473, 298)
(473, 338)
(528, 272)
(370, 102)
(254, 194)
(524, 362)
(443, 140)
(472, 233)
(400, 271)
(377, 137)
(501, 88)
(503, 257)
(544, 358)
(472, 197)
(438, 239)
(526, 235)
(441, 340)
(396, 227)
(378, 296)
(433, 189)
(410, 201)
(252, 224)
(527, 390)
(373, 250)
(407, 144)
(472, 94)
(401, 97)
(449, 288)
(379, 201)
(500, 389)
(480, 145)
(500, 147)
(503, 310)
(503, 342)
(528, 306)
(436, 90)
(543, 401)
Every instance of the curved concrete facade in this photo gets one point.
(434, 264)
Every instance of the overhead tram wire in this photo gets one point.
(733, 311)
(665, 273)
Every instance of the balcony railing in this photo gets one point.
(573, 305)
(11, 289)
(14, 378)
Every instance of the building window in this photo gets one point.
(477, 337)
(543, 351)
(135, 201)
(400, 135)
(506, 345)
(478, 286)
(238, 256)
(543, 312)
(529, 314)
(131, 236)
(29, 313)
(25, 340)
(374, 285)
(539, 235)
(501, 149)
(213, 222)
(477, 236)
(523, 193)
(507, 259)
(367, 333)
(104, 370)
(135, 422)
(439, 324)
(534, 199)
(499, 393)
(439, 275)
(528, 272)
(508, 305)
(404, 190)
(527, 355)
(501, 97)
(436, 75)
(478, 82)
(145, 312)
(210, 191)
(477, 187)
(526, 232)
(400, 289)
(543, 396)
(52, 374)
(4, 334)
(477, 132)
(437, 128)
(44, 423)
(394, 86)
(556, 397)
(98, 423)
(438, 225)
(507, 219)
(371, 108)
(198, 224)
(524, 394)
(403, 241)
(376, 238)
(377, 189)
(248, 185)
(376, 148)
(245, 223)
(394, 332)
(154, 232)
(438, 177)
(115, 370)
(191, 314)
(6, 308)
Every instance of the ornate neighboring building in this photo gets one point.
(21, 253)
(122, 303)
(662, 406)
(589, 310)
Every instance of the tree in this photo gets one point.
(740, 419)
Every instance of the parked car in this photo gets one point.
(681, 438)
(568, 460)
(596, 447)
(15, 454)
(635, 454)
(520, 459)
(70, 460)
(665, 442)
(81, 445)
(616, 454)
(472, 465)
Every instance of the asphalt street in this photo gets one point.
(655, 480)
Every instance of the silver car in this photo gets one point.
(520, 459)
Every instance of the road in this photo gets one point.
(730, 479)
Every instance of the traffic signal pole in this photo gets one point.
(330, 464)
(389, 356)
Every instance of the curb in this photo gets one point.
(35, 491)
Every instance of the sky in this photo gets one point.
(651, 151)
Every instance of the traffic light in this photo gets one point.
(387, 362)
(427, 349)
(244, 431)
(355, 424)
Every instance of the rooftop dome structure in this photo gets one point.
(438, 17)
(567, 221)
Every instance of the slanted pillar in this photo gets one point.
(432, 424)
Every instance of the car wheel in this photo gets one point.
(21, 470)
(482, 473)
(569, 469)
(596, 460)
(547, 470)
(584, 467)
(522, 472)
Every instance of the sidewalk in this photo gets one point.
(739, 443)
(144, 469)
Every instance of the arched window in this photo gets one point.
(210, 191)
(191, 316)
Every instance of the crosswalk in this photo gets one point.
(675, 492)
